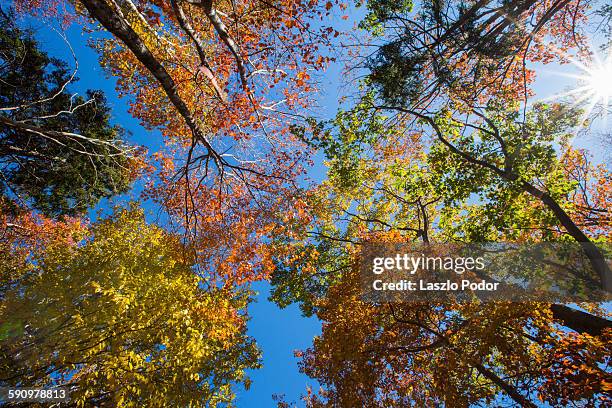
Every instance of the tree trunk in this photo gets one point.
(508, 388)
(580, 321)
(595, 256)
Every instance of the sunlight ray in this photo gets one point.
(593, 84)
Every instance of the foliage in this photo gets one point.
(469, 51)
(408, 187)
(456, 355)
(390, 182)
(538, 152)
(122, 319)
(58, 150)
(441, 145)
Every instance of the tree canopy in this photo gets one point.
(123, 320)
(439, 139)
(59, 152)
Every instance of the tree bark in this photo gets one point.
(579, 321)
(116, 25)
(508, 388)
(595, 256)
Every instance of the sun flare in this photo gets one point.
(599, 82)
(592, 91)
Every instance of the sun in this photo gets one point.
(592, 90)
(599, 81)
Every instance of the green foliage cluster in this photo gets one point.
(57, 173)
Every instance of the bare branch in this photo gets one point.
(205, 66)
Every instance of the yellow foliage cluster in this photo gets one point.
(122, 319)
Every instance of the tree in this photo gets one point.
(122, 319)
(385, 186)
(411, 354)
(235, 74)
(476, 57)
(223, 82)
(389, 182)
(26, 233)
(59, 153)
(468, 51)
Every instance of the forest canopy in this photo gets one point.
(128, 260)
